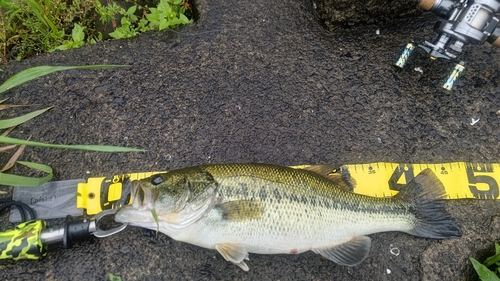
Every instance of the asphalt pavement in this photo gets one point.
(261, 81)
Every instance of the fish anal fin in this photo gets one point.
(241, 210)
(234, 253)
(350, 253)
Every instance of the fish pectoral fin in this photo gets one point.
(350, 253)
(241, 210)
(234, 253)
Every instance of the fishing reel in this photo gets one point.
(465, 21)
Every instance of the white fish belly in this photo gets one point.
(287, 229)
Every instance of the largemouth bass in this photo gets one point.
(257, 208)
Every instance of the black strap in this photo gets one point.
(23, 208)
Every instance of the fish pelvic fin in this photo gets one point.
(350, 253)
(425, 194)
(234, 253)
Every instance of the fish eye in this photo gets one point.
(156, 179)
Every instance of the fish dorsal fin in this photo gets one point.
(350, 253)
(341, 177)
(241, 210)
(322, 169)
(234, 253)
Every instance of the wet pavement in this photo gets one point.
(262, 81)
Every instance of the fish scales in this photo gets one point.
(295, 209)
(267, 209)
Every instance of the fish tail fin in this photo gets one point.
(425, 194)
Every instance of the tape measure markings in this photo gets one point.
(461, 180)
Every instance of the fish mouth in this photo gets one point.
(128, 214)
(143, 197)
(140, 212)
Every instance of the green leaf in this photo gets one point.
(131, 10)
(125, 22)
(66, 46)
(184, 19)
(117, 34)
(164, 6)
(37, 9)
(493, 259)
(164, 24)
(37, 71)
(175, 2)
(153, 17)
(113, 277)
(15, 180)
(142, 26)
(102, 148)
(483, 272)
(133, 18)
(77, 33)
(36, 166)
(7, 123)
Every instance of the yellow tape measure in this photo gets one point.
(460, 179)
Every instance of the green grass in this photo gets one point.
(490, 269)
(8, 124)
(28, 27)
